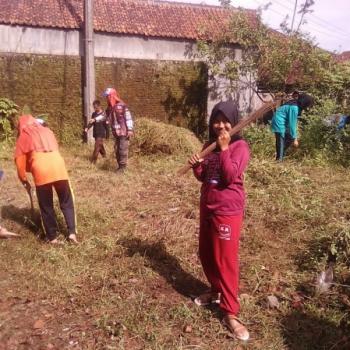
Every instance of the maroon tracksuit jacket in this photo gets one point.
(221, 213)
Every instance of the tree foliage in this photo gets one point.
(279, 61)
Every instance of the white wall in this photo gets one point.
(134, 47)
(18, 39)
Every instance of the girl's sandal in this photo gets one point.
(207, 299)
(236, 327)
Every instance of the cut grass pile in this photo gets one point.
(128, 284)
(153, 137)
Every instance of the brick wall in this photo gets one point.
(51, 85)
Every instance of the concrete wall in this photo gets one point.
(18, 39)
(170, 91)
(58, 42)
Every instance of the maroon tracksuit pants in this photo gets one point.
(218, 252)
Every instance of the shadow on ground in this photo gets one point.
(22, 216)
(308, 332)
(166, 265)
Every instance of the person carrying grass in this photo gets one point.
(222, 205)
(37, 152)
(120, 120)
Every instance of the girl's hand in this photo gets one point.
(223, 140)
(195, 160)
(296, 143)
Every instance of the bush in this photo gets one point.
(153, 137)
(321, 141)
(8, 112)
(261, 140)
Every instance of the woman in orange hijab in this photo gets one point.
(37, 153)
(120, 119)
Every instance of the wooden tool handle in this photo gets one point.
(237, 128)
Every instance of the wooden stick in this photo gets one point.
(30, 194)
(237, 128)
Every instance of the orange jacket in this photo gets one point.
(46, 167)
(37, 152)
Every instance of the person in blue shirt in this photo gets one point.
(343, 122)
(285, 123)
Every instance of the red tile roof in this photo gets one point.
(343, 57)
(139, 17)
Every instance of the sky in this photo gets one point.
(329, 23)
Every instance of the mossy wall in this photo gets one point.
(52, 85)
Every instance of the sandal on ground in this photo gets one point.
(207, 299)
(236, 327)
(73, 238)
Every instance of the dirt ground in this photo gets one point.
(129, 284)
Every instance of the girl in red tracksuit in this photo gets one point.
(221, 213)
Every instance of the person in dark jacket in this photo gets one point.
(221, 213)
(100, 130)
(122, 125)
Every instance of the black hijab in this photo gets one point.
(305, 101)
(230, 110)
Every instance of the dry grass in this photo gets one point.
(153, 137)
(128, 285)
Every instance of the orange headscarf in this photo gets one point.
(112, 97)
(33, 137)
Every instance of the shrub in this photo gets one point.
(319, 141)
(261, 140)
(322, 141)
(8, 112)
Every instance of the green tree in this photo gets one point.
(278, 61)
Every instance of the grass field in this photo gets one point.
(129, 284)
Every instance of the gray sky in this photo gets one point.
(329, 23)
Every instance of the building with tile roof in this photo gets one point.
(343, 57)
(126, 32)
(137, 17)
